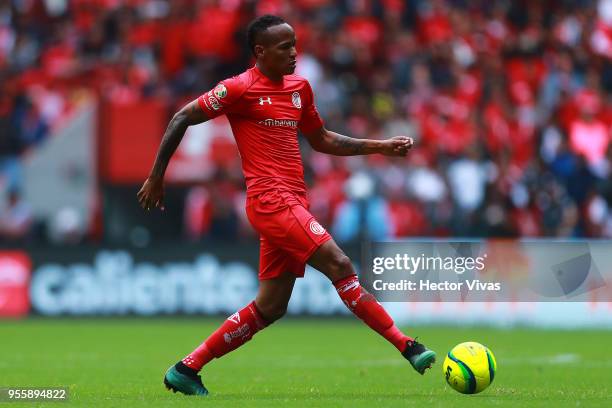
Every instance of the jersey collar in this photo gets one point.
(267, 80)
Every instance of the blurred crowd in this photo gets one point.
(510, 103)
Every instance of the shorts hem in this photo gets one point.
(312, 250)
(259, 278)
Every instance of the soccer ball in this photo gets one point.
(469, 367)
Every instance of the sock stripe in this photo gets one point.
(262, 322)
(346, 284)
(341, 280)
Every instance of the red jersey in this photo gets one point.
(265, 116)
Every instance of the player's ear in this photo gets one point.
(259, 51)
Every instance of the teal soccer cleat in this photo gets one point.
(420, 357)
(179, 378)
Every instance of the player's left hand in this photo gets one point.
(397, 146)
(151, 195)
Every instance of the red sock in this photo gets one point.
(233, 333)
(365, 306)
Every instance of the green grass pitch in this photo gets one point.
(297, 362)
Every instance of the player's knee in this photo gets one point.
(340, 267)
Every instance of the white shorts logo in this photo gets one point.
(297, 101)
(316, 228)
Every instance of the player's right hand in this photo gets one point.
(151, 195)
(397, 146)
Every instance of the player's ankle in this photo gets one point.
(185, 369)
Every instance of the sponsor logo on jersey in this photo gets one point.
(265, 99)
(316, 228)
(297, 101)
(220, 91)
(214, 102)
(279, 123)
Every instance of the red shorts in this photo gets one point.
(289, 233)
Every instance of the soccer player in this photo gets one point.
(265, 106)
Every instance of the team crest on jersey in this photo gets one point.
(316, 228)
(297, 101)
(220, 91)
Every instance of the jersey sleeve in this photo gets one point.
(220, 100)
(311, 120)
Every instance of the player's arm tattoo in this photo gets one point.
(334, 143)
(347, 146)
(190, 114)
